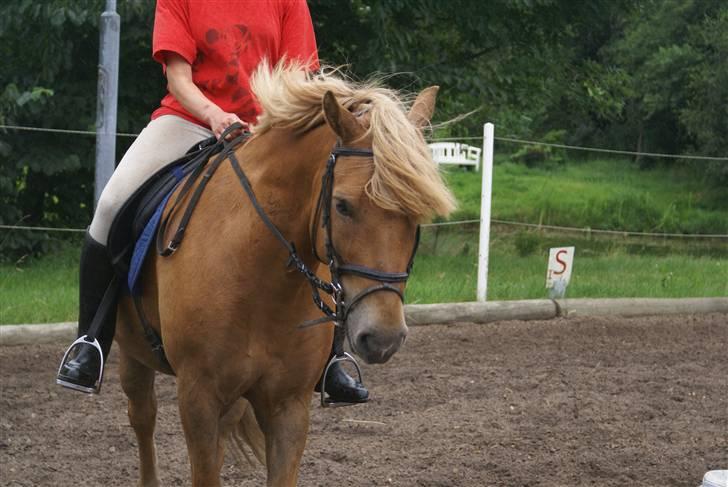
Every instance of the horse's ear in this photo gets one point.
(424, 106)
(341, 121)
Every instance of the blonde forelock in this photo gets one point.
(404, 177)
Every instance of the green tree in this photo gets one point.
(705, 111)
(50, 56)
(670, 66)
(506, 57)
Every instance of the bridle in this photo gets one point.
(337, 267)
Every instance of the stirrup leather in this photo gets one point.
(97, 384)
(325, 401)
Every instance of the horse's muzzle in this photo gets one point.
(376, 346)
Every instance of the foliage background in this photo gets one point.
(647, 75)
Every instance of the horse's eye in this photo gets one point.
(344, 208)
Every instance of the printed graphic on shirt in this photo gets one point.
(231, 42)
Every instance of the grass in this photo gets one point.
(608, 194)
(601, 270)
(41, 290)
(605, 194)
(46, 289)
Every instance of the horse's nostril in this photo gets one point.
(364, 342)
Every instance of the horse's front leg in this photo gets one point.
(200, 412)
(137, 380)
(285, 426)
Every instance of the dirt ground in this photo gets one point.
(597, 401)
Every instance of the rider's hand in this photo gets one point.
(220, 120)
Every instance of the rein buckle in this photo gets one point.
(171, 248)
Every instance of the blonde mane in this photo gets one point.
(404, 177)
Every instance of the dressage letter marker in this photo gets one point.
(558, 273)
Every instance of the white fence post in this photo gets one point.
(486, 190)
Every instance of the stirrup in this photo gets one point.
(97, 384)
(325, 401)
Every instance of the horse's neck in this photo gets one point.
(285, 172)
(280, 157)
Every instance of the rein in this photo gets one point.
(342, 308)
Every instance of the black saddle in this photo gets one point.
(141, 205)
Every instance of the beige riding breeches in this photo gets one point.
(164, 140)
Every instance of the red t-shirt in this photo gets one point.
(225, 40)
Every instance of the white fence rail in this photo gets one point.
(454, 153)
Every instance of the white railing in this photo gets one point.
(456, 154)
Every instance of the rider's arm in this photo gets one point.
(180, 84)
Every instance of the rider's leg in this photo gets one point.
(162, 141)
(165, 139)
(81, 369)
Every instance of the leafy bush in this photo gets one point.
(50, 52)
(535, 154)
(526, 243)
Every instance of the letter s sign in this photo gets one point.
(561, 261)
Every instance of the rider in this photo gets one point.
(208, 55)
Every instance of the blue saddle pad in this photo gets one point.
(147, 237)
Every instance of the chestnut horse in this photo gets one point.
(227, 306)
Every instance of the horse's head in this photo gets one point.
(379, 194)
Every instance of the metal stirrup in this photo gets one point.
(345, 357)
(97, 385)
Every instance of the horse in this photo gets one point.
(228, 306)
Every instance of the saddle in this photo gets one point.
(135, 214)
(137, 223)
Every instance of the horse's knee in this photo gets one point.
(141, 395)
(142, 414)
(137, 382)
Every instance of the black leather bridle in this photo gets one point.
(337, 267)
(336, 264)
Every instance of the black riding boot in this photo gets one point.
(82, 366)
(341, 387)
